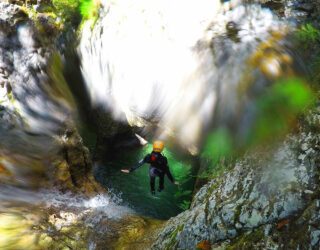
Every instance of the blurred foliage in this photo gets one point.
(185, 205)
(308, 35)
(182, 193)
(218, 144)
(278, 108)
(218, 150)
(184, 197)
(71, 9)
(182, 173)
(216, 168)
(276, 113)
(308, 38)
(15, 232)
(89, 9)
(67, 9)
(315, 68)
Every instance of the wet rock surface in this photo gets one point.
(299, 11)
(68, 221)
(111, 136)
(269, 199)
(37, 108)
(41, 148)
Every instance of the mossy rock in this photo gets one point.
(139, 233)
(247, 241)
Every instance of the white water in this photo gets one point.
(93, 212)
(102, 205)
(32, 119)
(150, 62)
(146, 61)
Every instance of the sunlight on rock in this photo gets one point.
(63, 219)
(15, 231)
(271, 67)
(272, 58)
(160, 85)
(25, 36)
(230, 87)
(171, 75)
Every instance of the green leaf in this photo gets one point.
(307, 35)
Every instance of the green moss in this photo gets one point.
(237, 213)
(173, 235)
(59, 89)
(212, 188)
(67, 9)
(52, 26)
(89, 10)
(247, 241)
(217, 168)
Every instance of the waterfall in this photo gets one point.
(175, 64)
(178, 68)
(36, 126)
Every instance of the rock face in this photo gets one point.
(114, 56)
(73, 166)
(297, 10)
(269, 200)
(112, 136)
(36, 108)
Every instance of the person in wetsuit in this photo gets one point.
(158, 167)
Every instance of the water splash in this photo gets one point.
(108, 205)
(28, 216)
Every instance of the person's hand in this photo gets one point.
(127, 171)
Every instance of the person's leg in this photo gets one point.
(152, 180)
(161, 182)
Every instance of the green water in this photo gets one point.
(135, 187)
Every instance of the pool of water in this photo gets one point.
(134, 188)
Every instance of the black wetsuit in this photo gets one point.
(158, 167)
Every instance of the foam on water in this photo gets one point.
(102, 205)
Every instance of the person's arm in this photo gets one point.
(170, 177)
(140, 163)
(168, 173)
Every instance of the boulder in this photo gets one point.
(269, 199)
(40, 142)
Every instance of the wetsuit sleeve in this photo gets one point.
(140, 163)
(168, 173)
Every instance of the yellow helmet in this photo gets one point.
(158, 146)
